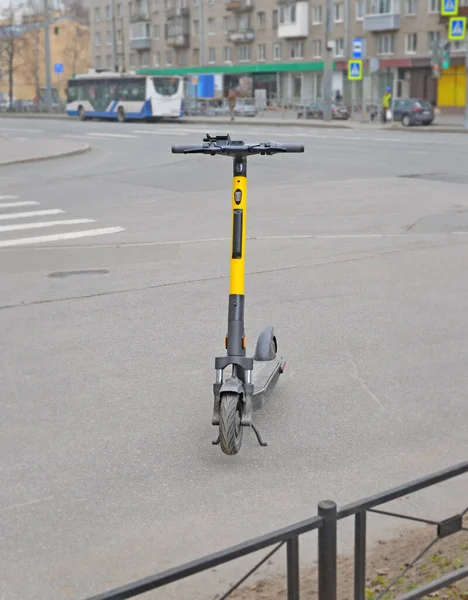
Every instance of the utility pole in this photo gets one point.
(48, 76)
(114, 38)
(328, 66)
(201, 17)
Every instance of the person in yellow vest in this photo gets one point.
(386, 103)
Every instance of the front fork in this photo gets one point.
(235, 385)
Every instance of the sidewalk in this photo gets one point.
(16, 150)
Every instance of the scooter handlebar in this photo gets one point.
(237, 149)
(185, 148)
(293, 147)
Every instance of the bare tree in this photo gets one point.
(76, 9)
(13, 45)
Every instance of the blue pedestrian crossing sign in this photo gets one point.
(354, 70)
(58, 68)
(449, 8)
(457, 29)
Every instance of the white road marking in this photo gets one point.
(8, 197)
(60, 236)
(20, 130)
(24, 203)
(153, 132)
(20, 226)
(75, 136)
(32, 213)
(112, 135)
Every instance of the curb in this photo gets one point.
(21, 161)
(33, 116)
(260, 123)
(433, 129)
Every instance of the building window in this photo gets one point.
(98, 38)
(108, 13)
(157, 59)
(411, 7)
(433, 6)
(384, 7)
(211, 55)
(97, 14)
(296, 50)
(227, 23)
(360, 9)
(317, 48)
(119, 10)
(98, 62)
(119, 36)
(243, 22)
(109, 38)
(227, 54)
(261, 18)
(156, 32)
(182, 58)
(169, 58)
(196, 27)
(433, 39)
(338, 12)
(276, 51)
(458, 46)
(287, 14)
(275, 19)
(211, 26)
(243, 53)
(411, 45)
(338, 49)
(144, 58)
(261, 52)
(316, 15)
(386, 44)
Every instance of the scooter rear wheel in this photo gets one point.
(230, 428)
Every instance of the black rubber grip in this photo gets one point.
(183, 149)
(293, 147)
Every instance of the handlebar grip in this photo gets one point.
(184, 149)
(293, 147)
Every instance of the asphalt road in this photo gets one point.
(358, 257)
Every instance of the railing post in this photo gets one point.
(292, 550)
(327, 551)
(360, 521)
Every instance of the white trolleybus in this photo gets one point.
(119, 96)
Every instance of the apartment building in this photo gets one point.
(278, 45)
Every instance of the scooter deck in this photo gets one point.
(265, 374)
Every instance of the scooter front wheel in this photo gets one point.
(230, 428)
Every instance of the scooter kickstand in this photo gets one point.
(216, 441)
(259, 437)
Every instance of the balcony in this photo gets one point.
(241, 37)
(381, 22)
(285, 2)
(140, 43)
(179, 41)
(294, 20)
(140, 35)
(139, 17)
(173, 13)
(240, 5)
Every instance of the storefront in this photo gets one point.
(451, 87)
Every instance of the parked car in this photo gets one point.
(314, 110)
(412, 111)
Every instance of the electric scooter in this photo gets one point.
(251, 378)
